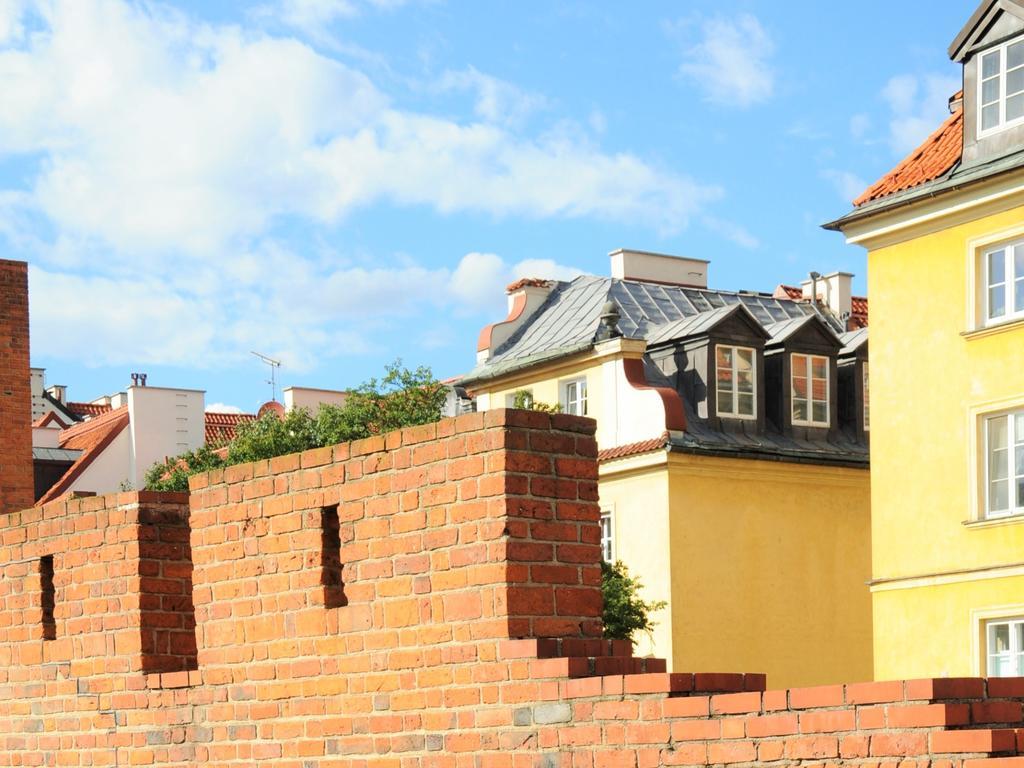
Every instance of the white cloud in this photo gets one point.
(222, 408)
(731, 231)
(731, 62)
(497, 101)
(11, 15)
(860, 124)
(918, 105)
(848, 185)
(479, 280)
(168, 152)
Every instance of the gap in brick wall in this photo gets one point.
(48, 597)
(331, 577)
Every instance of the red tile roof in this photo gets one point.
(91, 437)
(858, 309)
(527, 282)
(88, 409)
(633, 449)
(936, 156)
(222, 427)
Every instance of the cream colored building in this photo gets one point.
(733, 453)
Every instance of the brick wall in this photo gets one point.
(16, 482)
(427, 599)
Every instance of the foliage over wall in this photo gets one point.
(403, 398)
(625, 612)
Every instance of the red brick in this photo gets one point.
(923, 715)
(820, 696)
(945, 688)
(984, 740)
(874, 693)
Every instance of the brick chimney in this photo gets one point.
(16, 483)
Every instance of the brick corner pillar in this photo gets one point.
(16, 481)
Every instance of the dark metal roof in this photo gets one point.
(568, 320)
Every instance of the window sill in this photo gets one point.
(989, 330)
(994, 522)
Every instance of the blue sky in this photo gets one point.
(338, 183)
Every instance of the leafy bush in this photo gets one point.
(625, 613)
(524, 399)
(403, 398)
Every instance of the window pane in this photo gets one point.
(996, 267)
(999, 638)
(724, 356)
(799, 365)
(997, 447)
(818, 366)
(1014, 55)
(990, 91)
(1018, 261)
(990, 64)
(1014, 81)
(799, 410)
(744, 372)
(799, 388)
(1020, 492)
(725, 401)
(989, 117)
(997, 301)
(820, 412)
(998, 666)
(1018, 636)
(1015, 106)
(746, 405)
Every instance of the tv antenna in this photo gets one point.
(272, 381)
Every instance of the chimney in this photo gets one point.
(648, 267)
(835, 292)
(524, 298)
(17, 487)
(58, 392)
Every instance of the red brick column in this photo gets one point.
(16, 484)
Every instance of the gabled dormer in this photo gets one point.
(801, 378)
(716, 360)
(991, 49)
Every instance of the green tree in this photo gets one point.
(272, 435)
(173, 474)
(625, 612)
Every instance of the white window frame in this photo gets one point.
(1010, 309)
(579, 399)
(1002, 125)
(608, 516)
(1015, 654)
(809, 421)
(1012, 509)
(734, 414)
(866, 398)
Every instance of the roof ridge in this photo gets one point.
(84, 427)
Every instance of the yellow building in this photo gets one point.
(733, 453)
(945, 238)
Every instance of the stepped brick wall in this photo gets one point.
(16, 481)
(426, 599)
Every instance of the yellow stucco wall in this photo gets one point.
(929, 385)
(770, 563)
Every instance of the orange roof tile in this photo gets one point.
(222, 427)
(858, 308)
(633, 449)
(527, 282)
(936, 156)
(89, 409)
(91, 437)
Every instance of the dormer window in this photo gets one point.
(734, 382)
(810, 390)
(1001, 87)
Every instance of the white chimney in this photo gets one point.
(58, 392)
(834, 290)
(659, 268)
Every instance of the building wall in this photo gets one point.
(110, 470)
(770, 564)
(636, 492)
(163, 422)
(929, 384)
(16, 478)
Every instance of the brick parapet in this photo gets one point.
(434, 658)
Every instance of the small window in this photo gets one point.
(810, 390)
(1004, 282)
(574, 397)
(522, 398)
(735, 382)
(1004, 653)
(48, 598)
(867, 401)
(330, 558)
(1001, 87)
(1004, 465)
(607, 543)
